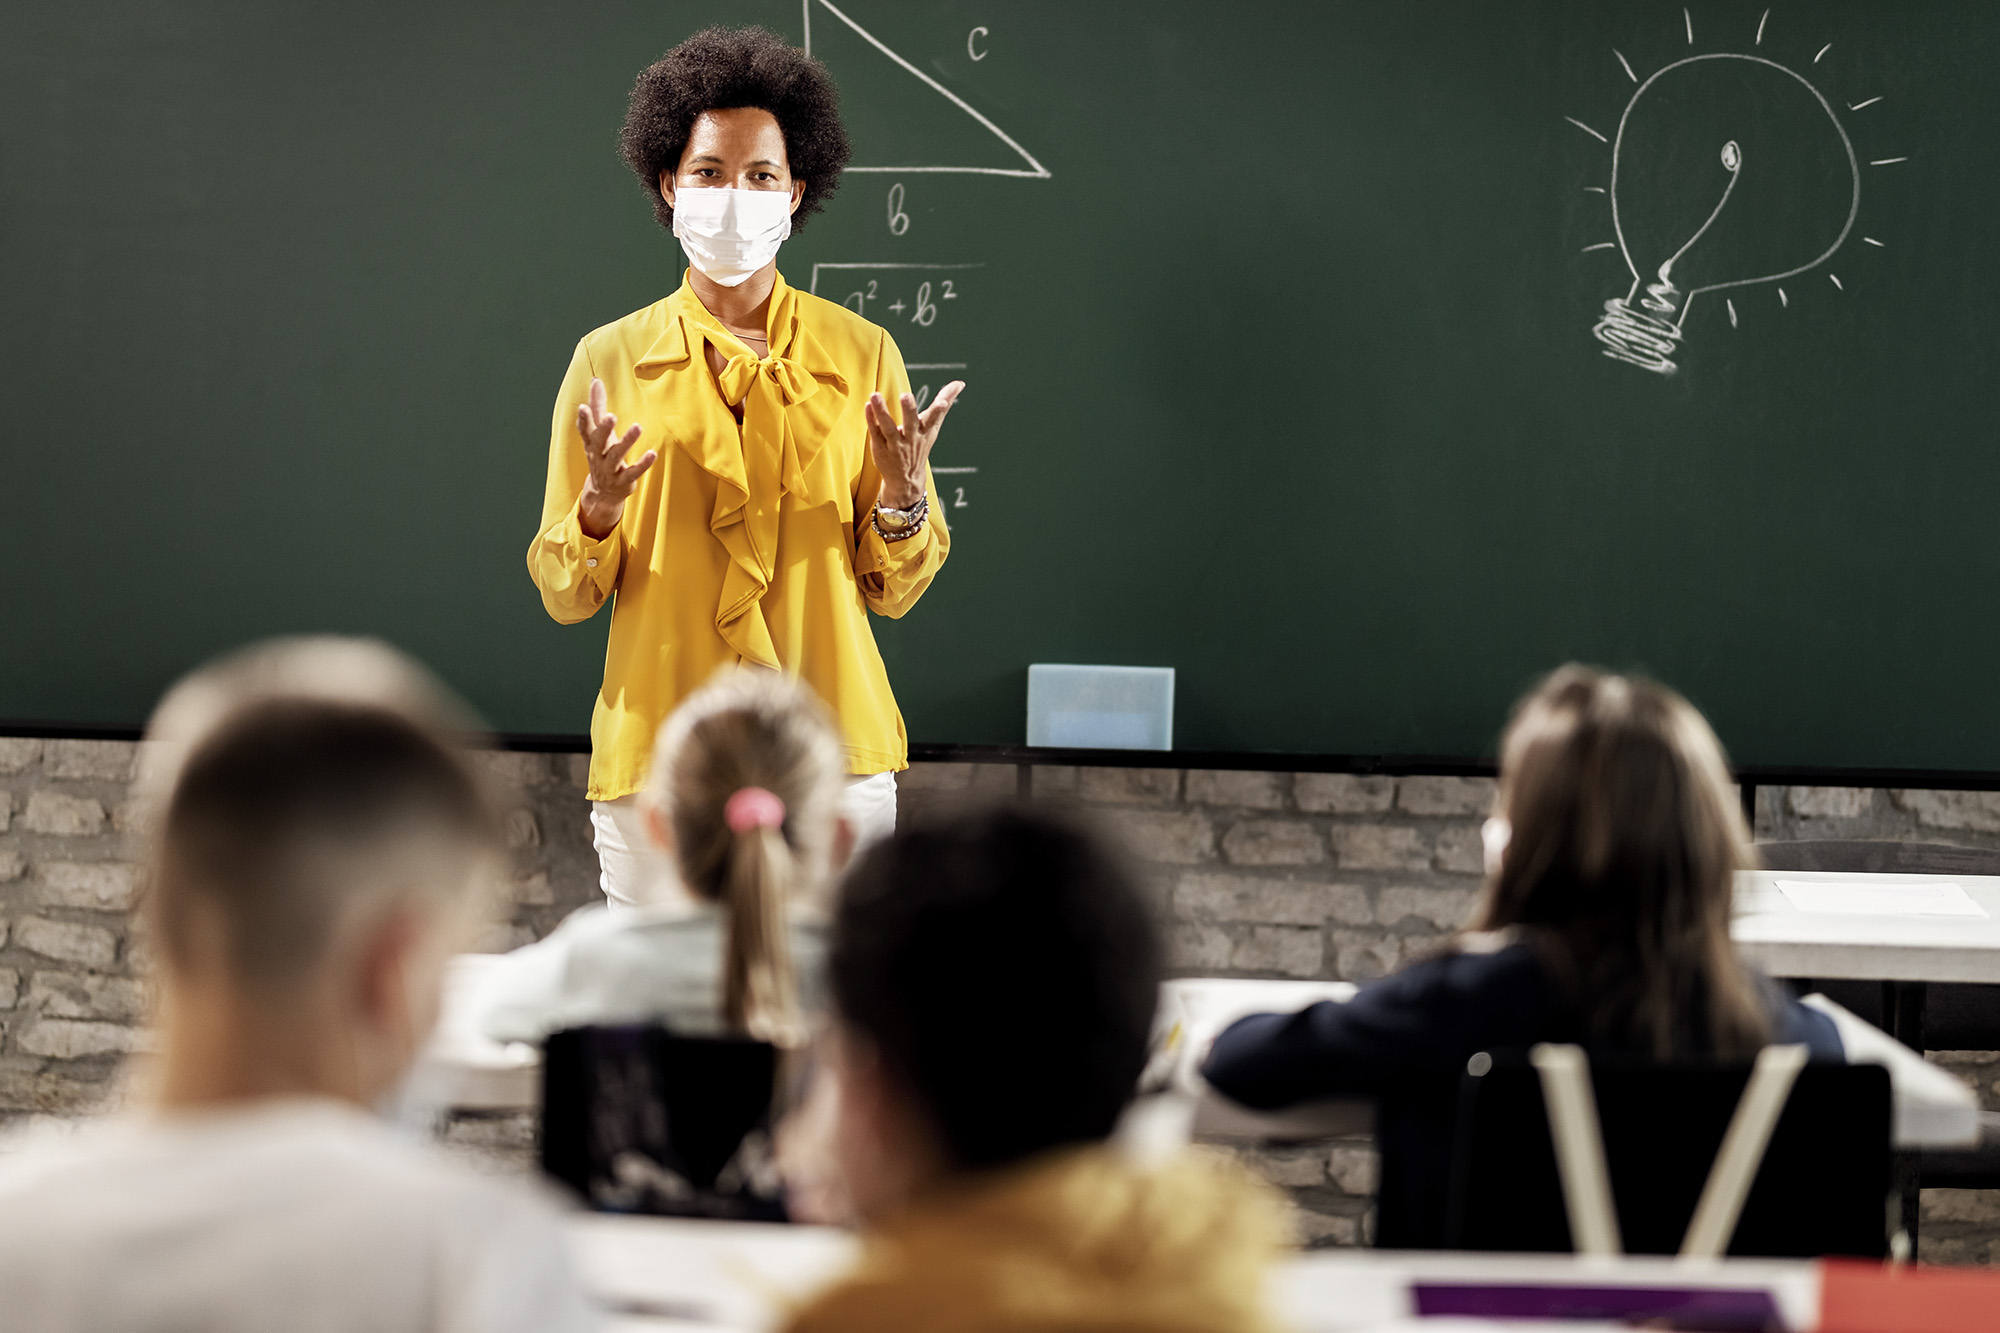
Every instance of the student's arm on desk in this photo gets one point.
(1426, 1016)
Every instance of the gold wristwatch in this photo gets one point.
(895, 520)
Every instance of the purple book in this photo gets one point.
(1712, 1309)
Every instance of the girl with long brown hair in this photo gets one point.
(744, 801)
(1615, 853)
(1611, 860)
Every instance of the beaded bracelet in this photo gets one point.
(922, 512)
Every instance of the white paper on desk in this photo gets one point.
(1855, 899)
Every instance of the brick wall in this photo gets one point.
(72, 962)
(1256, 874)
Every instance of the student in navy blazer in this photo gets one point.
(1605, 922)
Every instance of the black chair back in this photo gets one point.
(1824, 1186)
(638, 1120)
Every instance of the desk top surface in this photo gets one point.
(1775, 933)
(671, 1273)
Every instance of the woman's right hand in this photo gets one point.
(611, 478)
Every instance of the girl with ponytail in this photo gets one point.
(744, 806)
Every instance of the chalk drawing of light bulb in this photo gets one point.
(1727, 170)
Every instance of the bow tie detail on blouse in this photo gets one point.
(770, 454)
(773, 456)
(739, 375)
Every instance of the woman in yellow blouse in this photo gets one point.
(786, 493)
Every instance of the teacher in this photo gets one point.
(785, 492)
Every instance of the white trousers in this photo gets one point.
(633, 872)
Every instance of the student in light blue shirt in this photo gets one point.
(744, 812)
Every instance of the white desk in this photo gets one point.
(460, 1067)
(664, 1272)
(1773, 933)
(1932, 1109)
(660, 1273)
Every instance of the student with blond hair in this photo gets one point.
(1611, 861)
(744, 803)
(321, 848)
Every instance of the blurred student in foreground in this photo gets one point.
(1611, 860)
(993, 981)
(320, 849)
(744, 800)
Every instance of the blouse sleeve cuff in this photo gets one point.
(593, 559)
(875, 554)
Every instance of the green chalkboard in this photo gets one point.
(1281, 322)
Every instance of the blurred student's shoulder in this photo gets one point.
(1079, 1238)
(297, 1213)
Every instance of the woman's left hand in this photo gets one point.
(901, 450)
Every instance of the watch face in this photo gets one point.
(894, 518)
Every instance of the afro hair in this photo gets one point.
(720, 68)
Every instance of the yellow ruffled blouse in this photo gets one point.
(745, 543)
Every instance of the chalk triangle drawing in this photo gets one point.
(1032, 171)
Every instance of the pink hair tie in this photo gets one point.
(753, 807)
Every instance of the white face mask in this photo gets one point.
(730, 234)
(1494, 835)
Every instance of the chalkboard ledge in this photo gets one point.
(1383, 765)
(1403, 765)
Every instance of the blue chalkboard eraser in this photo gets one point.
(1101, 707)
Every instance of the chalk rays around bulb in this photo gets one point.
(1648, 325)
